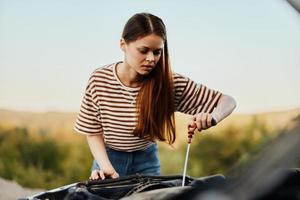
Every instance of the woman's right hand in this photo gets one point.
(102, 174)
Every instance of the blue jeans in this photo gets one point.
(144, 162)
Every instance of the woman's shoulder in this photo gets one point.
(105, 71)
(102, 73)
(108, 69)
(179, 78)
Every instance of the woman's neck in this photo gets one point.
(127, 75)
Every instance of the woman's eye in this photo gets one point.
(143, 51)
(157, 52)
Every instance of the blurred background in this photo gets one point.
(247, 49)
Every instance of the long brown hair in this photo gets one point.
(155, 101)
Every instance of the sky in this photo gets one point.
(247, 49)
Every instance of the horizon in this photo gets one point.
(246, 49)
(76, 112)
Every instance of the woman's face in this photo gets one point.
(143, 54)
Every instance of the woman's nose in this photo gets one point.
(150, 57)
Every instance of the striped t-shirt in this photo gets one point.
(109, 107)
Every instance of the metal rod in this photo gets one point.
(185, 163)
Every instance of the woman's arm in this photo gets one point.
(225, 106)
(202, 121)
(97, 147)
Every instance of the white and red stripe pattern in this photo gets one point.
(109, 107)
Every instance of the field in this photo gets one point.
(41, 150)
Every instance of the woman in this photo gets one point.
(129, 105)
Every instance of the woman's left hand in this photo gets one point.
(201, 121)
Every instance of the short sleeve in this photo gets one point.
(192, 98)
(88, 120)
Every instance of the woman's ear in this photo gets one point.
(122, 44)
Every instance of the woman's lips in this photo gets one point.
(148, 66)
